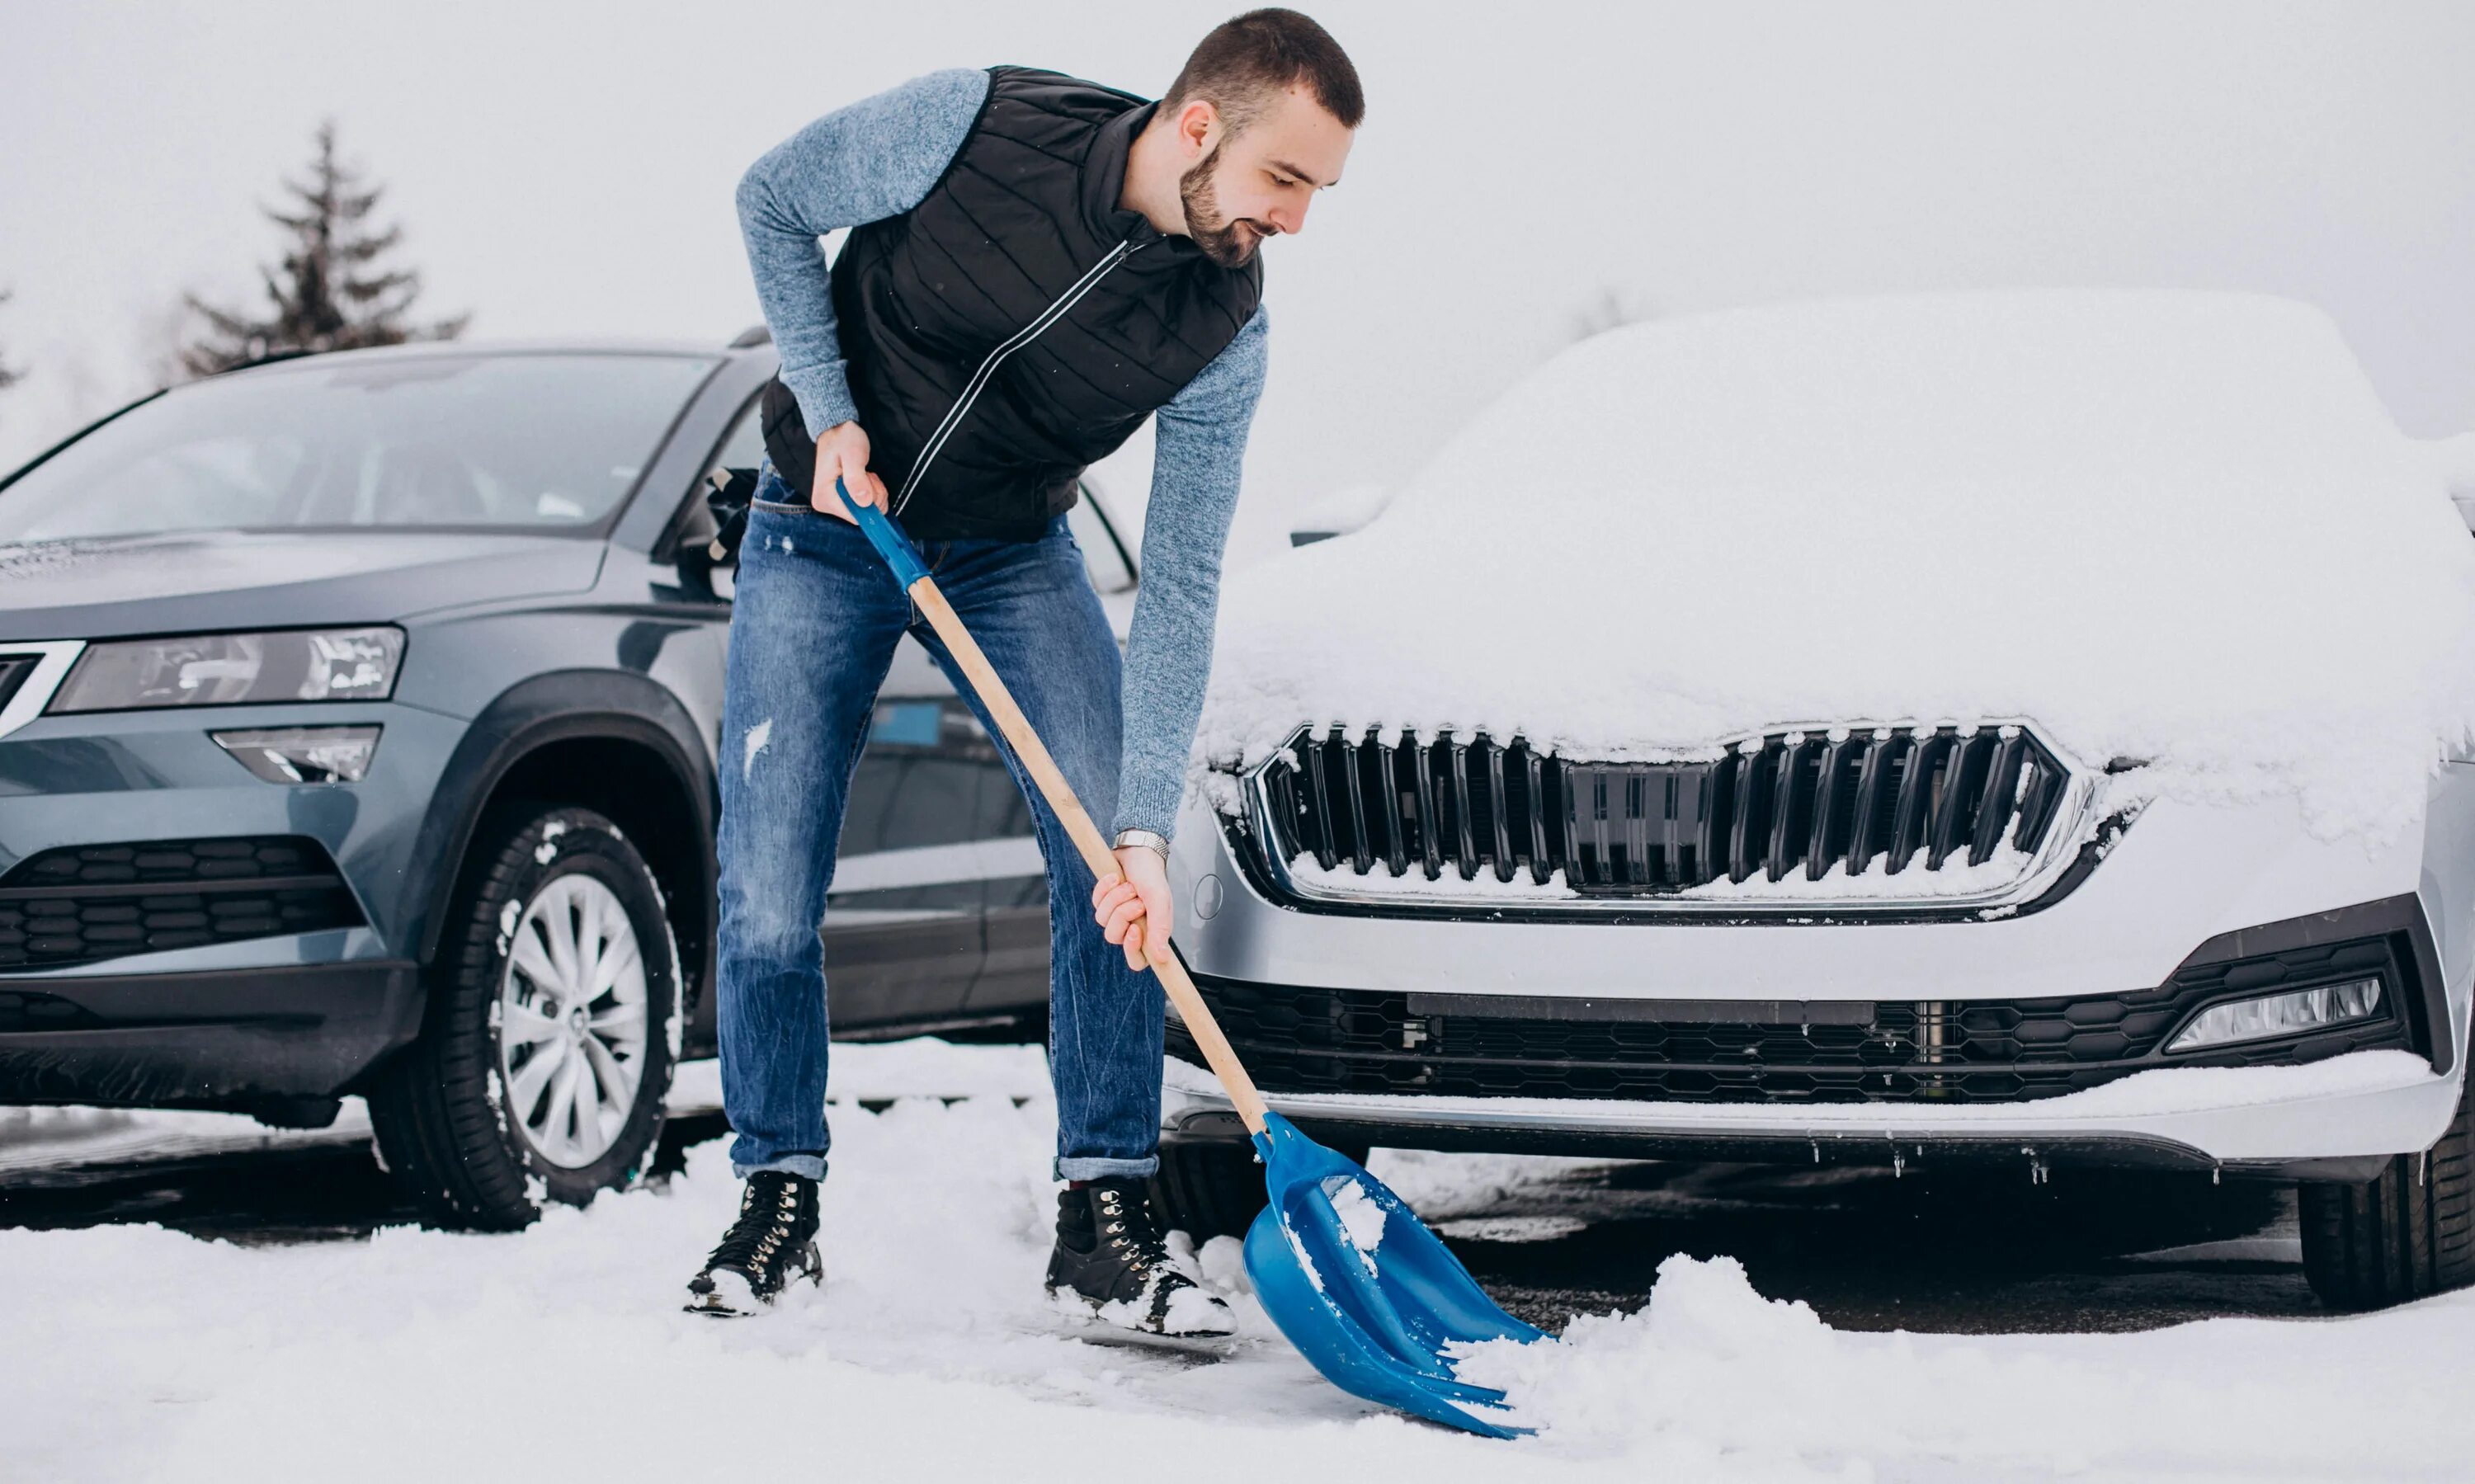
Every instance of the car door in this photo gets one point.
(1015, 973)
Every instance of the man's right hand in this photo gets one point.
(842, 452)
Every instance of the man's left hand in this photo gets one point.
(1128, 904)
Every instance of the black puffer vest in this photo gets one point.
(1027, 206)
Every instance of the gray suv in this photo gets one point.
(357, 716)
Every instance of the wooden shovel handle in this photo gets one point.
(1088, 839)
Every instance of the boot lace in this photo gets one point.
(767, 1212)
(1126, 1226)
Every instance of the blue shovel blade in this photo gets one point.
(1363, 1289)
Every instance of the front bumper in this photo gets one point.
(2340, 1119)
(240, 1038)
(255, 1016)
(2188, 884)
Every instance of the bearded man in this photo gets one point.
(1036, 264)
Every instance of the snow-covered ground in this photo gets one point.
(136, 1353)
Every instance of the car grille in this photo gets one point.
(83, 904)
(1892, 800)
(1979, 1051)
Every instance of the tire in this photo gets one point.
(1212, 1188)
(445, 1111)
(2408, 1234)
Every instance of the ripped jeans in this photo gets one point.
(814, 625)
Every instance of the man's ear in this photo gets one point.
(1199, 125)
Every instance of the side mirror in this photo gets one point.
(1341, 513)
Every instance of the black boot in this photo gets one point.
(773, 1243)
(1111, 1260)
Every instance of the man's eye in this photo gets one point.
(1283, 185)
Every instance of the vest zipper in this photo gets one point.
(1019, 339)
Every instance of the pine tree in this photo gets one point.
(329, 293)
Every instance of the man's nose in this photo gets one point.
(1288, 217)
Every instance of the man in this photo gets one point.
(1057, 260)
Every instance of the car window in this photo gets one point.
(745, 445)
(1104, 557)
(507, 440)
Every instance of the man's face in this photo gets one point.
(1248, 187)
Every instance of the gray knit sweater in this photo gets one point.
(879, 158)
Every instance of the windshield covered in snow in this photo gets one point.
(500, 440)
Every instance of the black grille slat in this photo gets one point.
(1388, 775)
(2001, 788)
(1740, 843)
(1534, 777)
(1467, 862)
(1430, 834)
(84, 904)
(1907, 797)
(1907, 818)
(1819, 855)
(1497, 812)
(1327, 847)
(1354, 788)
(1950, 800)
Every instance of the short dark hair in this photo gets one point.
(1249, 59)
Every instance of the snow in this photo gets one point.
(2169, 527)
(134, 1353)
(1712, 1379)
(1308, 871)
(1361, 1219)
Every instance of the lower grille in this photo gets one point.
(1977, 1051)
(1879, 801)
(84, 904)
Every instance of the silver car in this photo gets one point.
(1899, 938)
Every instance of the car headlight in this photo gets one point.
(234, 669)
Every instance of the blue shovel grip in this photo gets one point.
(887, 537)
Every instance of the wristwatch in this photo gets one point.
(1149, 839)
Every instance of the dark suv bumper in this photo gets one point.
(235, 1038)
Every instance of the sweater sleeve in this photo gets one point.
(1201, 444)
(872, 160)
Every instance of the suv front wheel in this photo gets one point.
(550, 1032)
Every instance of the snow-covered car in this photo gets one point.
(2023, 727)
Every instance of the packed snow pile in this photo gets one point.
(2169, 527)
(1711, 1380)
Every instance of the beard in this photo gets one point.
(1229, 243)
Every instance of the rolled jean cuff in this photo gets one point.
(812, 1166)
(1106, 1169)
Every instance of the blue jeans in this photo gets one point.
(813, 629)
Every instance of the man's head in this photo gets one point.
(1259, 120)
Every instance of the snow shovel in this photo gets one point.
(1347, 1271)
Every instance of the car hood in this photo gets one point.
(202, 580)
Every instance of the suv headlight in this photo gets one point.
(234, 669)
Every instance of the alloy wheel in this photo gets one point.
(572, 1021)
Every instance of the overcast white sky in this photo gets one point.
(566, 168)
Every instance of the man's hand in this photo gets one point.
(1128, 905)
(842, 452)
